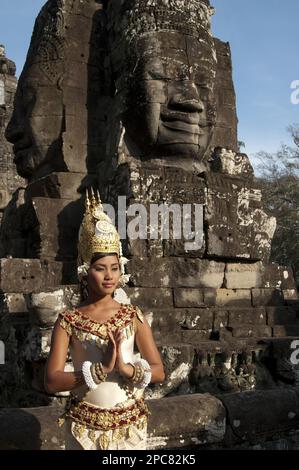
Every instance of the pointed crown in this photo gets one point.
(97, 232)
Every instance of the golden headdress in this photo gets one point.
(98, 235)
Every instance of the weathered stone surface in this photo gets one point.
(169, 221)
(252, 316)
(150, 297)
(188, 318)
(44, 228)
(225, 133)
(237, 227)
(9, 180)
(189, 298)
(276, 276)
(254, 415)
(12, 303)
(58, 221)
(44, 433)
(44, 307)
(38, 343)
(183, 336)
(178, 272)
(177, 361)
(290, 294)
(30, 275)
(228, 162)
(233, 298)
(243, 276)
(20, 275)
(256, 331)
(56, 273)
(258, 275)
(281, 315)
(57, 186)
(13, 234)
(221, 318)
(186, 421)
(281, 331)
(267, 297)
(293, 303)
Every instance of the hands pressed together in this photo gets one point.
(113, 359)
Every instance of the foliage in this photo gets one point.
(279, 180)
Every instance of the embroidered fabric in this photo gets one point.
(107, 402)
(80, 437)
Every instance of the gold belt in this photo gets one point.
(107, 419)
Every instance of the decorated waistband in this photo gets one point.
(103, 419)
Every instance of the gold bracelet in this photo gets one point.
(138, 374)
(100, 372)
(134, 369)
(94, 375)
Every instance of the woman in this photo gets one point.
(107, 409)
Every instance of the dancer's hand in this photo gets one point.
(126, 370)
(110, 356)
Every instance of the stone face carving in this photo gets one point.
(38, 121)
(163, 64)
(57, 101)
(9, 180)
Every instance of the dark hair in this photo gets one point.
(97, 256)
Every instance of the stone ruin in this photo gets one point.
(136, 99)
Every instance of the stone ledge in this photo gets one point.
(174, 422)
(180, 421)
(186, 420)
(31, 429)
(260, 415)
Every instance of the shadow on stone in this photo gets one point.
(31, 429)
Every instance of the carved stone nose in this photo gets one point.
(13, 131)
(186, 102)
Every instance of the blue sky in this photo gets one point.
(264, 38)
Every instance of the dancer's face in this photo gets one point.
(103, 275)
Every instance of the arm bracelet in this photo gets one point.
(87, 375)
(142, 374)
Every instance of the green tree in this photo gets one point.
(279, 181)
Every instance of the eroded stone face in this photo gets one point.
(164, 80)
(37, 124)
(170, 105)
(58, 119)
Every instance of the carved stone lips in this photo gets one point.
(183, 126)
(21, 146)
(19, 149)
(188, 118)
(180, 121)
